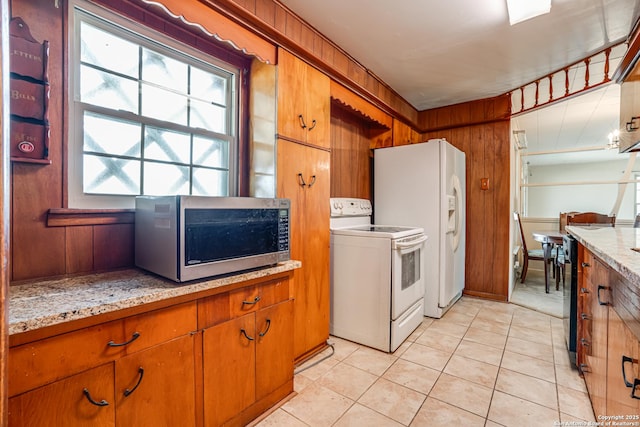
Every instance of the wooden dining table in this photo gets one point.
(549, 239)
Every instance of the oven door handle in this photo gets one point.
(410, 244)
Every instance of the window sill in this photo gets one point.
(75, 217)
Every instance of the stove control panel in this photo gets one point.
(343, 206)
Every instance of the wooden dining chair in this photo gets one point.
(528, 254)
(563, 220)
(578, 218)
(590, 218)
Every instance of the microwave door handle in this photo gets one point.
(411, 244)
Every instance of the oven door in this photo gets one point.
(407, 277)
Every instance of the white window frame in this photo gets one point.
(76, 197)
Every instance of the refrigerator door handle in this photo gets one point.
(457, 192)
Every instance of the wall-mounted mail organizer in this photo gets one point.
(29, 87)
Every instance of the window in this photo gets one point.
(151, 116)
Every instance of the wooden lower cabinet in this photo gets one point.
(595, 373)
(253, 357)
(63, 402)
(622, 369)
(217, 360)
(608, 349)
(156, 387)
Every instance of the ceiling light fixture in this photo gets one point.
(614, 140)
(521, 10)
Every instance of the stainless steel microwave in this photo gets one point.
(192, 237)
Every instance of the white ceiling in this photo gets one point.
(442, 52)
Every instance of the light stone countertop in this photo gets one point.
(46, 303)
(613, 246)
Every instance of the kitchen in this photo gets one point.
(67, 241)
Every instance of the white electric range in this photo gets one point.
(377, 286)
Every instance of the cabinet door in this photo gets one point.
(291, 96)
(64, 402)
(156, 387)
(622, 357)
(274, 348)
(311, 318)
(303, 101)
(630, 108)
(229, 369)
(596, 374)
(317, 92)
(309, 229)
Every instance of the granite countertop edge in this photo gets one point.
(47, 303)
(613, 245)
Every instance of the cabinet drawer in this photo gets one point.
(252, 298)
(64, 403)
(44, 361)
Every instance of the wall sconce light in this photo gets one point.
(520, 138)
(614, 140)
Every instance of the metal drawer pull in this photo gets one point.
(245, 335)
(313, 124)
(301, 180)
(266, 330)
(127, 392)
(303, 125)
(627, 359)
(585, 316)
(134, 337)
(255, 300)
(584, 367)
(586, 264)
(313, 177)
(601, 287)
(585, 342)
(93, 402)
(631, 125)
(584, 290)
(636, 383)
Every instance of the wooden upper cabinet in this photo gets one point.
(630, 109)
(404, 134)
(303, 102)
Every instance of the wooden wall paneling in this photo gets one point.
(350, 156)
(113, 246)
(478, 240)
(499, 185)
(4, 210)
(36, 188)
(266, 11)
(79, 249)
(487, 155)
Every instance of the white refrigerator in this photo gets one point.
(423, 185)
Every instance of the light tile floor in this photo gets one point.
(484, 363)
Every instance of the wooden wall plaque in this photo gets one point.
(29, 95)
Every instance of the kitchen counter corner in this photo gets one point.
(614, 245)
